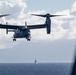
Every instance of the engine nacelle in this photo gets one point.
(48, 25)
(48, 29)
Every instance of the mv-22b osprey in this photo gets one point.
(24, 31)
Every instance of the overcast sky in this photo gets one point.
(56, 47)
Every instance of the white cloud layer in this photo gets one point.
(73, 7)
(62, 27)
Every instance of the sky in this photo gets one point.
(57, 47)
(51, 6)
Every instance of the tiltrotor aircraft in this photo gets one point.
(24, 31)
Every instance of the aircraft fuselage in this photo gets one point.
(24, 33)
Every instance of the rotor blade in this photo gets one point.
(4, 15)
(39, 15)
(47, 15)
(55, 15)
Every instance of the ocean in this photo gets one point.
(35, 69)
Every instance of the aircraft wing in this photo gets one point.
(36, 26)
(4, 26)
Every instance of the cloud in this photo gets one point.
(63, 27)
(73, 7)
(15, 7)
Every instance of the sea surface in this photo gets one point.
(36, 69)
